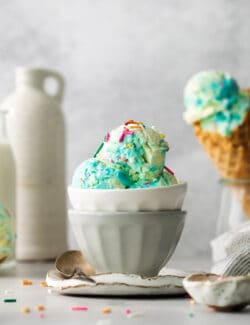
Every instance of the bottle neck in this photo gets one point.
(3, 131)
(29, 77)
(50, 82)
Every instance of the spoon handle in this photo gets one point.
(79, 274)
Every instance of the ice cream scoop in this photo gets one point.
(214, 99)
(131, 156)
(94, 173)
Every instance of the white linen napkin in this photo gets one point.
(231, 252)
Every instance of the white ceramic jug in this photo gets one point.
(37, 135)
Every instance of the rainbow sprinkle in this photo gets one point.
(132, 122)
(43, 284)
(106, 310)
(127, 311)
(168, 170)
(6, 300)
(26, 282)
(80, 308)
(99, 149)
(107, 137)
(25, 310)
(135, 127)
(124, 133)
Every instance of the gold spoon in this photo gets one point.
(72, 264)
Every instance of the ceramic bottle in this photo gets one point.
(36, 130)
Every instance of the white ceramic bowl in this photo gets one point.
(127, 242)
(139, 199)
(221, 293)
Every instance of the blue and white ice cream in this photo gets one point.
(214, 99)
(131, 156)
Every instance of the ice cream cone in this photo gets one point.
(231, 156)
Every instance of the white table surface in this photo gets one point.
(58, 308)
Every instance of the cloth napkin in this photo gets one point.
(231, 251)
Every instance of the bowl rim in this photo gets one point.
(181, 184)
(191, 280)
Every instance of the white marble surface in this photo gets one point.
(58, 308)
(131, 59)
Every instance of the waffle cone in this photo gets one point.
(230, 155)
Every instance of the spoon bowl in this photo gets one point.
(72, 264)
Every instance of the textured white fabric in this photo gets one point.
(231, 252)
(231, 241)
(237, 263)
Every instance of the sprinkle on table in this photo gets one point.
(7, 300)
(43, 284)
(79, 308)
(190, 314)
(127, 311)
(191, 301)
(40, 308)
(41, 315)
(106, 310)
(26, 282)
(25, 310)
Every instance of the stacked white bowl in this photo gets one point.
(131, 231)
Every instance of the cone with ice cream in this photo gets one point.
(220, 114)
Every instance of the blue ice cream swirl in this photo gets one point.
(214, 99)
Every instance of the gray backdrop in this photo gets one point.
(127, 59)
